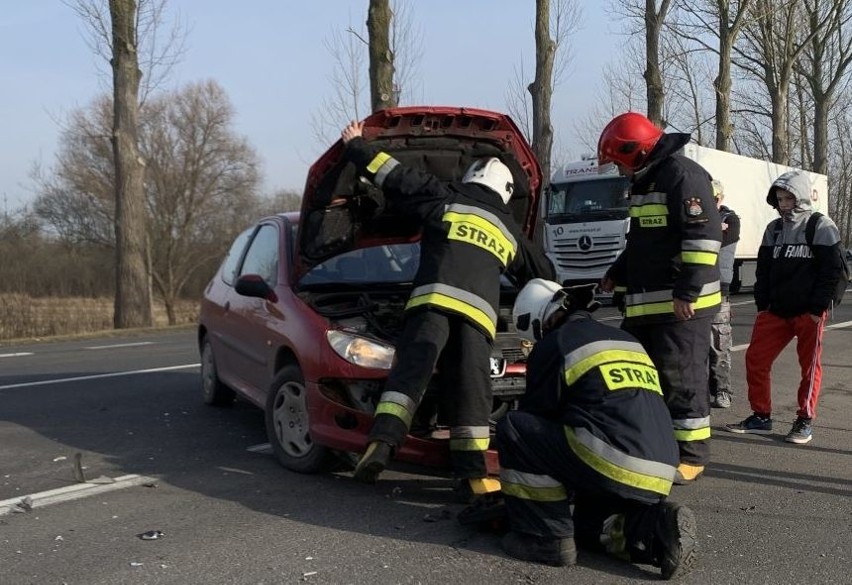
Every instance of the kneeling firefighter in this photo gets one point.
(593, 428)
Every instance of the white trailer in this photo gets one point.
(586, 213)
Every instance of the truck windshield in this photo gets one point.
(596, 199)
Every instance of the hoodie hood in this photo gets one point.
(797, 183)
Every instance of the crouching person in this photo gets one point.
(592, 430)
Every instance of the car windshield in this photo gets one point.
(390, 263)
(598, 198)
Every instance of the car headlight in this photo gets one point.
(360, 350)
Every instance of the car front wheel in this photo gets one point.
(214, 392)
(288, 425)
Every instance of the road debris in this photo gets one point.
(151, 535)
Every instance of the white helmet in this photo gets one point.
(493, 174)
(540, 298)
(537, 301)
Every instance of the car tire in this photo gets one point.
(213, 390)
(288, 425)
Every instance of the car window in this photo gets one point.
(262, 255)
(379, 264)
(229, 265)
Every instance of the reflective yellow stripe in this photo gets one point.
(472, 229)
(396, 410)
(652, 483)
(708, 258)
(668, 306)
(377, 162)
(469, 444)
(455, 305)
(687, 435)
(536, 494)
(573, 373)
(621, 375)
(648, 210)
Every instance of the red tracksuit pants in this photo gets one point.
(769, 337)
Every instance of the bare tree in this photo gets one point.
(131, 31)
(721, 21)
(200, 182)
(772, 42)
(824, 65)
(160, 47)
(351, 73)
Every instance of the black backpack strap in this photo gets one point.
(810, 227)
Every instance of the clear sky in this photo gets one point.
(271, 59)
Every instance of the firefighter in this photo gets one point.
(669, 271)
(469, 238)
(592, 428)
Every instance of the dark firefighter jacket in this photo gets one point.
(600, 383)
(469, 238)
(674, 240)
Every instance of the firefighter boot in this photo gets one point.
(558, 552)
(373, 462)
(687, 473)
(471, 489)
(676, 542)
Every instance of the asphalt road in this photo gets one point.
(130, 405)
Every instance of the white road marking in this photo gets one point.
(23, 353)
(136, 344)
(98, 376)
(72, 492)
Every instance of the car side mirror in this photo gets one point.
(253, 285)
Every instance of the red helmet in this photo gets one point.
(627, 140)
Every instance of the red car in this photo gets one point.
(301, 317)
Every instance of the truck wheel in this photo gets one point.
(213, 390)
(288, 425)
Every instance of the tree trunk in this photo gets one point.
(780, 131)
(132, 295)
(722, 84)
(821, 111)
(653, 76)
(541, 90)
(382, 91)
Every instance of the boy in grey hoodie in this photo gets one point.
(793, 291)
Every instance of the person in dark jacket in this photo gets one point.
(794, 288)
(469, 238)
(721, 341)
(592, 428)
(670, 270)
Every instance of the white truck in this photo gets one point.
(586, 213)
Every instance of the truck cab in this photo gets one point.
(585, 220)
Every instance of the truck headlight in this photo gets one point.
(361, 351)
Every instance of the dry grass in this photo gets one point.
(23, 316)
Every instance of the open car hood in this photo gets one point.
(339, 210)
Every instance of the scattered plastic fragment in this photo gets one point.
(135, 564)
(151, 535)
(60, 458)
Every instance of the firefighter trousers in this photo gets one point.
(680, 352)
(541, 477)
(461, 352)
(720, 350)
